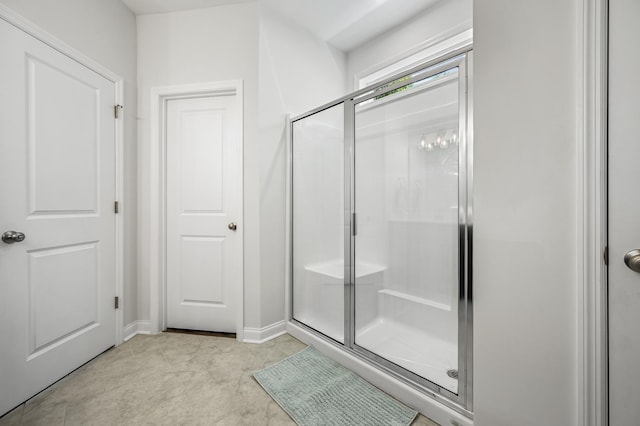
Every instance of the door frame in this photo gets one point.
(158, 190)
(591, 214)
(50, 40)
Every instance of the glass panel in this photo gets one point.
(318, 221)
(407, 247)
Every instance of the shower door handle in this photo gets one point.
(354, 225)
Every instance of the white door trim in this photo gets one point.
(38, 33)
(157, 193)
(591, 218)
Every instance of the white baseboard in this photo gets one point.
(136, 327)
(261, 335)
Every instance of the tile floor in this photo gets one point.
(166, 379)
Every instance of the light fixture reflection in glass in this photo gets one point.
(442, 140)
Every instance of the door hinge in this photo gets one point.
(116, 207)
(116, 110)
(606, 255)
(116, 302)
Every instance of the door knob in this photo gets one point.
(632, 260)
(11, 237)
(233, 226)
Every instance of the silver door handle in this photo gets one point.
(632, 260)
(233, 226)
(11, 237)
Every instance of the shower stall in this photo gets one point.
(380, 227)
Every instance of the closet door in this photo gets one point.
(624, 208)
(57, 180)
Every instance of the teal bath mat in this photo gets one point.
(314, 390)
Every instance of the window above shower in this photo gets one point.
(438, 46)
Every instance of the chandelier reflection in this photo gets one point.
(441, 140)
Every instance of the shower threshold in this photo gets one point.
(413, 349)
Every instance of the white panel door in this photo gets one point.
(57, 184)
(204, 255)
(624, 212)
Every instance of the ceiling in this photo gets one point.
(145, 7)
(348, 23)
(345, 24)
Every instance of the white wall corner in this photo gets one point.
(264, 334)
(136, 327)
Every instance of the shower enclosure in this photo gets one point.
(381, 226)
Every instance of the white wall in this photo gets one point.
(285, 70)
(443, 17)
(213, 44)
(525, 330)
(297, 73)
(105, 31)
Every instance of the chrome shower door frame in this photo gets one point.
(461, 402)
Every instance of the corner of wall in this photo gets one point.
(264, 334)
(289, 58)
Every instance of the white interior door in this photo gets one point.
(57, 183)
(204, 253)
(624, 212)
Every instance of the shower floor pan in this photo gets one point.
(413, 349)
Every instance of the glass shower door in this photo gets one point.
(318, 221)
(381, 184)
(409, 203)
